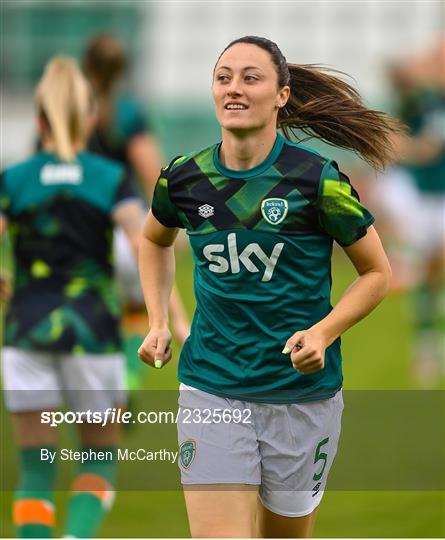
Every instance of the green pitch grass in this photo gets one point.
(376, 356)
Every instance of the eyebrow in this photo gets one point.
(244, 69)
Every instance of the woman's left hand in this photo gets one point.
(306, 348)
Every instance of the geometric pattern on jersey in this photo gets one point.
(257, 283)
(65, 298)
(320, 197)
(237, 201)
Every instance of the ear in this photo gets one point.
(283, 96)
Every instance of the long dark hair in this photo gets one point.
(104, 60)
(323, 105)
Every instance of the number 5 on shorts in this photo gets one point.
(320, 456)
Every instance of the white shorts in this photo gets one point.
(287, 450)
(35, 381)
(417, 216)
(429, 219)
(397, 195)
(126, 269)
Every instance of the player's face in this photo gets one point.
(245, 89)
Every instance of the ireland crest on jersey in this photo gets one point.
(274, 210)
(187, 452)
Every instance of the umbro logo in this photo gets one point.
(316, 489)
(206, 210)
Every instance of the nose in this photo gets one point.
(234, 88)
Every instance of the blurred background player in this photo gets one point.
(412, 196)
(62, 326)
(423, 155)
(122, 133)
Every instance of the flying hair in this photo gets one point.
(323, 105)
(63, 98)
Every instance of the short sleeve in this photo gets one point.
(340, 213)
(125, 190)
(139, 124)
(162, 207)
(142, 123)
(132, 119)
(5, 200)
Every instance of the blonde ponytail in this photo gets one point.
(64, 98)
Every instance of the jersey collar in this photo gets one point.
(254, 171)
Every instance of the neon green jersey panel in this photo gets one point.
(262, 244)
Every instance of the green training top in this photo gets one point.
(60, 218)
(262, 243)
(423, 110)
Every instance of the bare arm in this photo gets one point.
(157, 274)
(307, 347)
(418, 150)
(179, 316)
(145, 158)
(130, 216)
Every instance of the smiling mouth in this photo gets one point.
(235, 107)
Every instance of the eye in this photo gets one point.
(222, 78)
(251, 78)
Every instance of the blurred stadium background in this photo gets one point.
(173, 46)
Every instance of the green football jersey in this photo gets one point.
(262, 243)
(423, 111)
(59, 215)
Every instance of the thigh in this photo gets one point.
(93, 382)
(220, 465)
(216, 513)
(272, 525)
(29, 430)
(297, 450)
(100, 435)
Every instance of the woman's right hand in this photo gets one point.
(155, 349)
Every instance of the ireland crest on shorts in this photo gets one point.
(187, 452)
(274, 210)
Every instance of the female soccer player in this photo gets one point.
(261, 372)
(122, 133)
(422, 109)
(62, 325)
